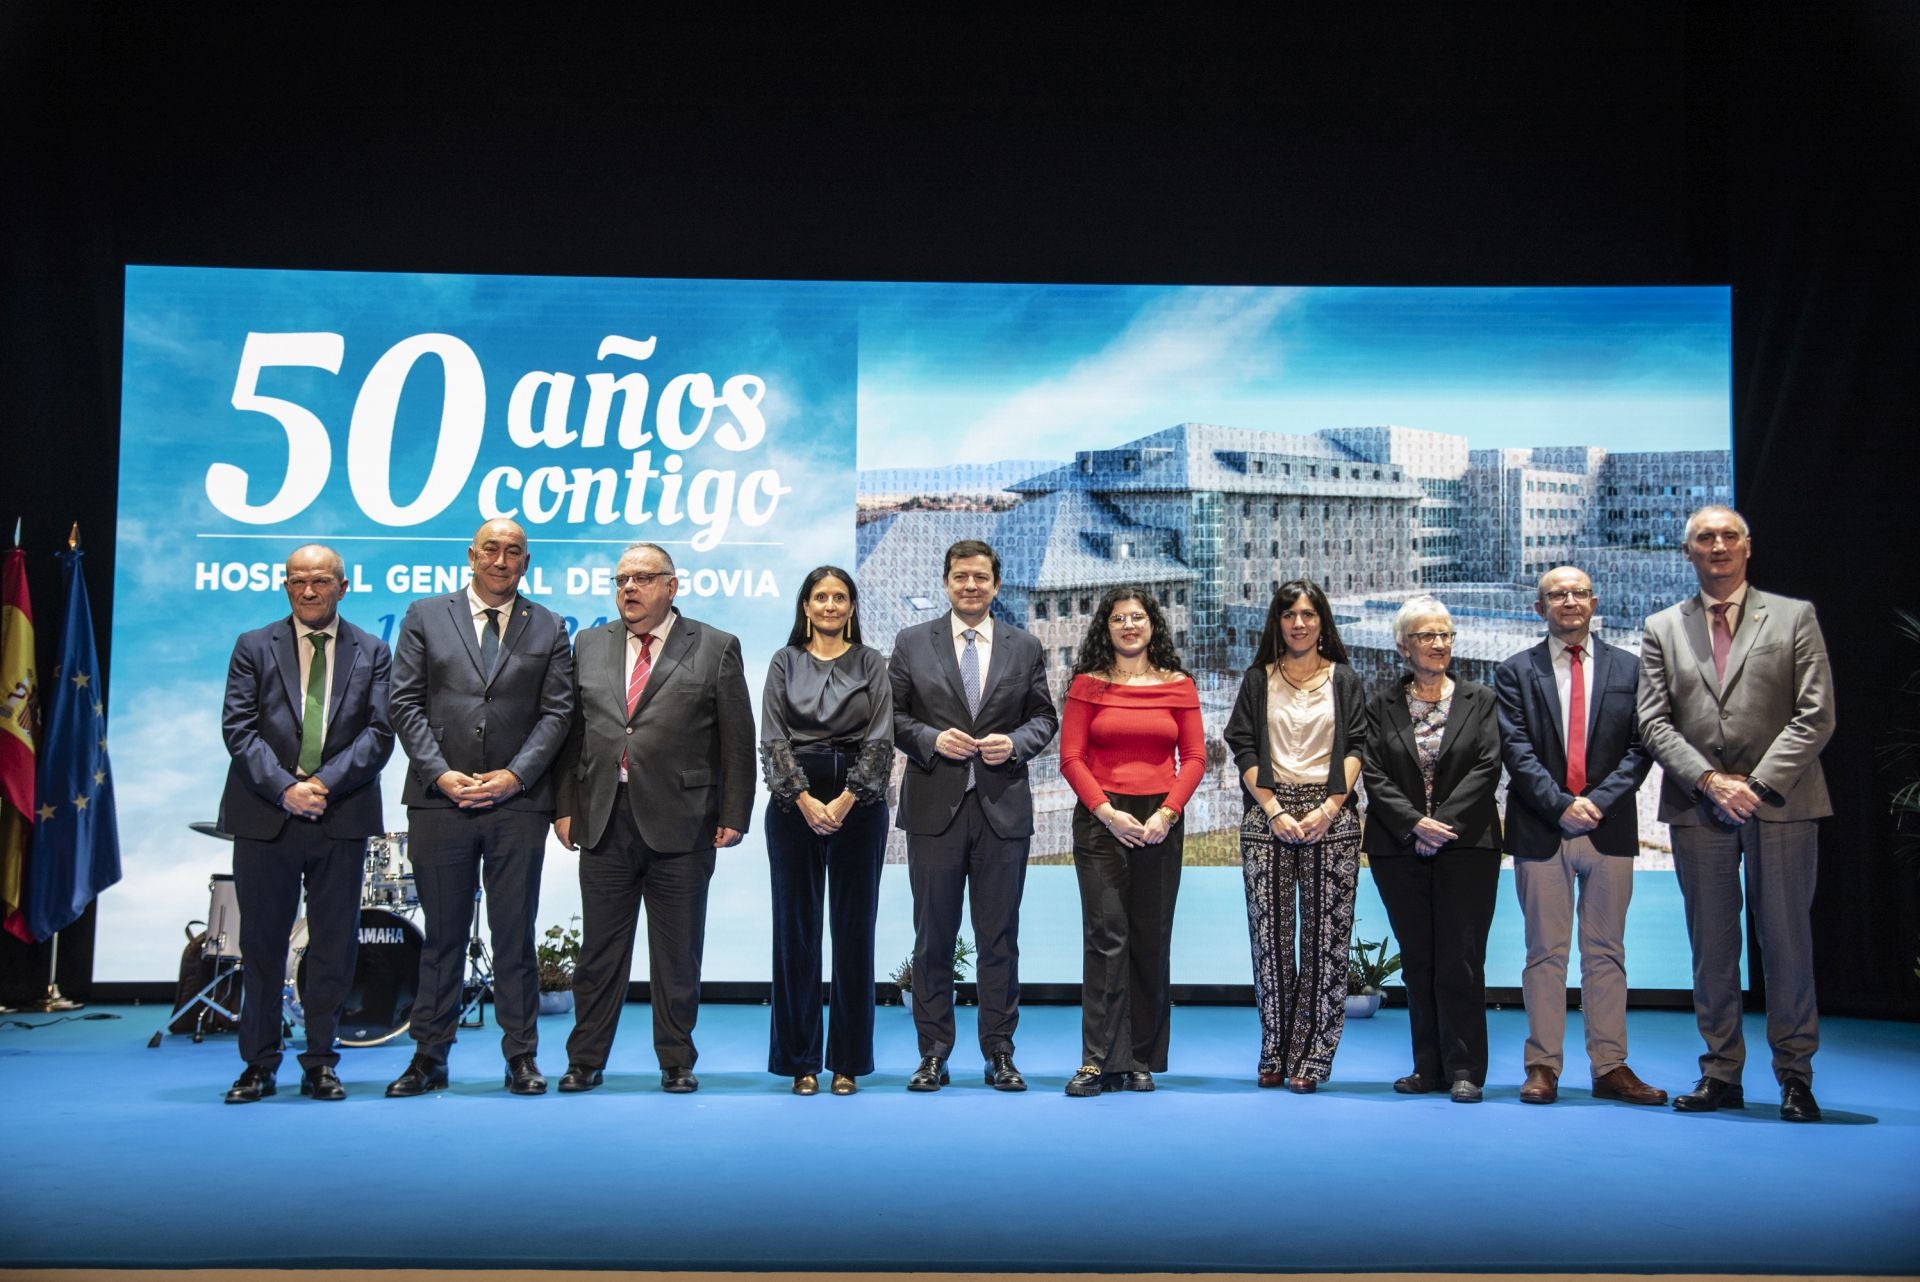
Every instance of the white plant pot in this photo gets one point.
(1362, 1005)
(556, 1003)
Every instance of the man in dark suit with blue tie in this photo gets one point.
(482, 698)
(970, 709)
(1575, 763)
(306, 721)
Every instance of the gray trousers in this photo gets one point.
(1781, 862)
(1577, 879)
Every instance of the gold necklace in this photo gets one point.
(1326, 675)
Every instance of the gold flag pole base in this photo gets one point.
(54, 1001)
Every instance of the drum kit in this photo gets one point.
(386, 971)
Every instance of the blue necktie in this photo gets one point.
(970, 683)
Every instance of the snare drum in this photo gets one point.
(223, 918)
(389, 877)
(386, 973)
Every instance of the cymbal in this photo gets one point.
(208, 828)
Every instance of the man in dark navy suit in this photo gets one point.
(970, 710)
(482, 698)
(306, 721)
(1574, 763)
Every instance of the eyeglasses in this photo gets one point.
(1432, 638)
(1122, 620)
(319, 581)
(644, 579)
(1563, 595)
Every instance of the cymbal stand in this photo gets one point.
(478, 988)
(224, 969)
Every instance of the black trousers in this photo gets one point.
(453, 852)
(972, 862)
(618, 877)
(1441, 910)
(842, 873)
(1126, 925)
(267, 877)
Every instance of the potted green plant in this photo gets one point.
(903, 973)
(1368, 968)
(558, 952)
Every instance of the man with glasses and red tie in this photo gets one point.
(1736, 701)
(1575, 763)
(657, 773)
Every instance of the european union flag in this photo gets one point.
(76, 841)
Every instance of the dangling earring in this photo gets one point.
(809, 619)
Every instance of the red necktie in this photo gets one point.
(1576, 725)
(637, 680)
(1722, 637)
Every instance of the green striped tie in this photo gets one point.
(312, 727)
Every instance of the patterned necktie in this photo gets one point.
(490, 643)
(637, 681)
(1722, 637)
(313, 719)
(1577, 724)
(970, 682)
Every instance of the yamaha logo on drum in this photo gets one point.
(382, 935)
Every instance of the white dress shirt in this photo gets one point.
(659, 636)
(305, 649)
(1563, 682)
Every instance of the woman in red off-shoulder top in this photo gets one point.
(1132, 748)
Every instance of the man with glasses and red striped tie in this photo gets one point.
(1574, 766)
(1736, 701)
(657, 773)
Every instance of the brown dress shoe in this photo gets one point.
(1622, 1085)
(1542, 1086)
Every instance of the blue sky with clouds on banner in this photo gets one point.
(1040, 371)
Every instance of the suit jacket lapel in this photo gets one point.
(1693, 618)
(463, 628)
(1456, 713)
(1753, 619)
(996, 665)
(613, 667)
(1547, 685)
(519, 616)
(286, 656)
(1604, 658)
(1403, 723)
(345, 654)
(946, 662)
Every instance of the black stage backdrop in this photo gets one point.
(1625, 143)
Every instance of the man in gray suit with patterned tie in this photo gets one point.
(970, 709)
(482, 698)
(1736, 702)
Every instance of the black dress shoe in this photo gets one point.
(678, 1081)
(1002, 1075)
(1303, 1085)
(930, 1076)
(1414, 1084)
(1086, 1083)
(1139, 1080)
(807, 1084)
(844, 1084)
(252, 1086)
(1708, 1094)
(1796, 1101)
(523, 1076)
(1464, 1092)
(422, 1075)
(578, 1078)
(322, 1083)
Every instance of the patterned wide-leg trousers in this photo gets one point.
(1303, 894)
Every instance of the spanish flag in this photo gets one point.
(19, 717)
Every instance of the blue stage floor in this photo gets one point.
(117, 1155)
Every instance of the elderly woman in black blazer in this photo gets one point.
(1433, 841)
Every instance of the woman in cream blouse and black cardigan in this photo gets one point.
(1296, 734)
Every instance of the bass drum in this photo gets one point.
(386, 973)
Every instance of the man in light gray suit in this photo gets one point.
(1736, 702)
(482, 697)
(657, 772)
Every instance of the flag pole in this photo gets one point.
(55, 1000)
